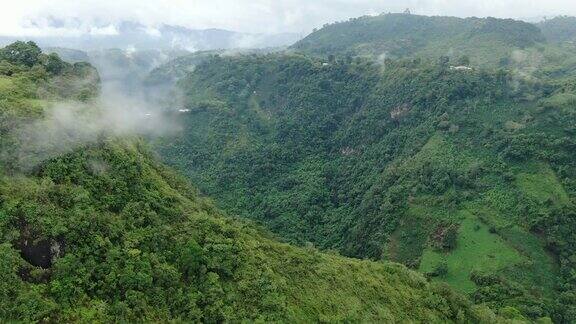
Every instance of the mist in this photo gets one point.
(70, 125)
(124, 108)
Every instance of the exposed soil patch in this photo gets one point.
(38, 251)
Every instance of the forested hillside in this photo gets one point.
(442, 144)
(466, 175)
(559, 29)
(481, 40)
(105, 233)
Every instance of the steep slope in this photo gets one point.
(466, 175)
(173, 70)
(484, 41)
(104, 233)
(134, 243)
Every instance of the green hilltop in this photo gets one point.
(484, 40)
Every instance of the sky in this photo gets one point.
(73, 17)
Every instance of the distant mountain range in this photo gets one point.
(130, 35)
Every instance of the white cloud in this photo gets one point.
(256, 16)
(101, 31)
(154, 32)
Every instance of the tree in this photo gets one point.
(441, 269)
(53, 64)
(21, 53)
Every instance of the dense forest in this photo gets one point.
(390, 168)
(485, 40)
(459, 166)
(559, 29)
(103, 232)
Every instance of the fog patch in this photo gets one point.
(526, 62)
(381, 60)
(124, 107)
(68, 126)
(98, 167)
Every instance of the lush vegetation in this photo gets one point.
(559, 29)
(466, 175)
(443, 144)
(481, 41)
(105, 233)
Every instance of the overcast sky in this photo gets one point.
(29, 17)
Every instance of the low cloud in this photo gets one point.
(70, 125)
(20, 18)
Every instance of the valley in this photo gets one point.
(387, 168)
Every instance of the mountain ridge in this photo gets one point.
(406, 35)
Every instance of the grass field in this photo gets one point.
(540, 272)
(477, 250)
(542, 186)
